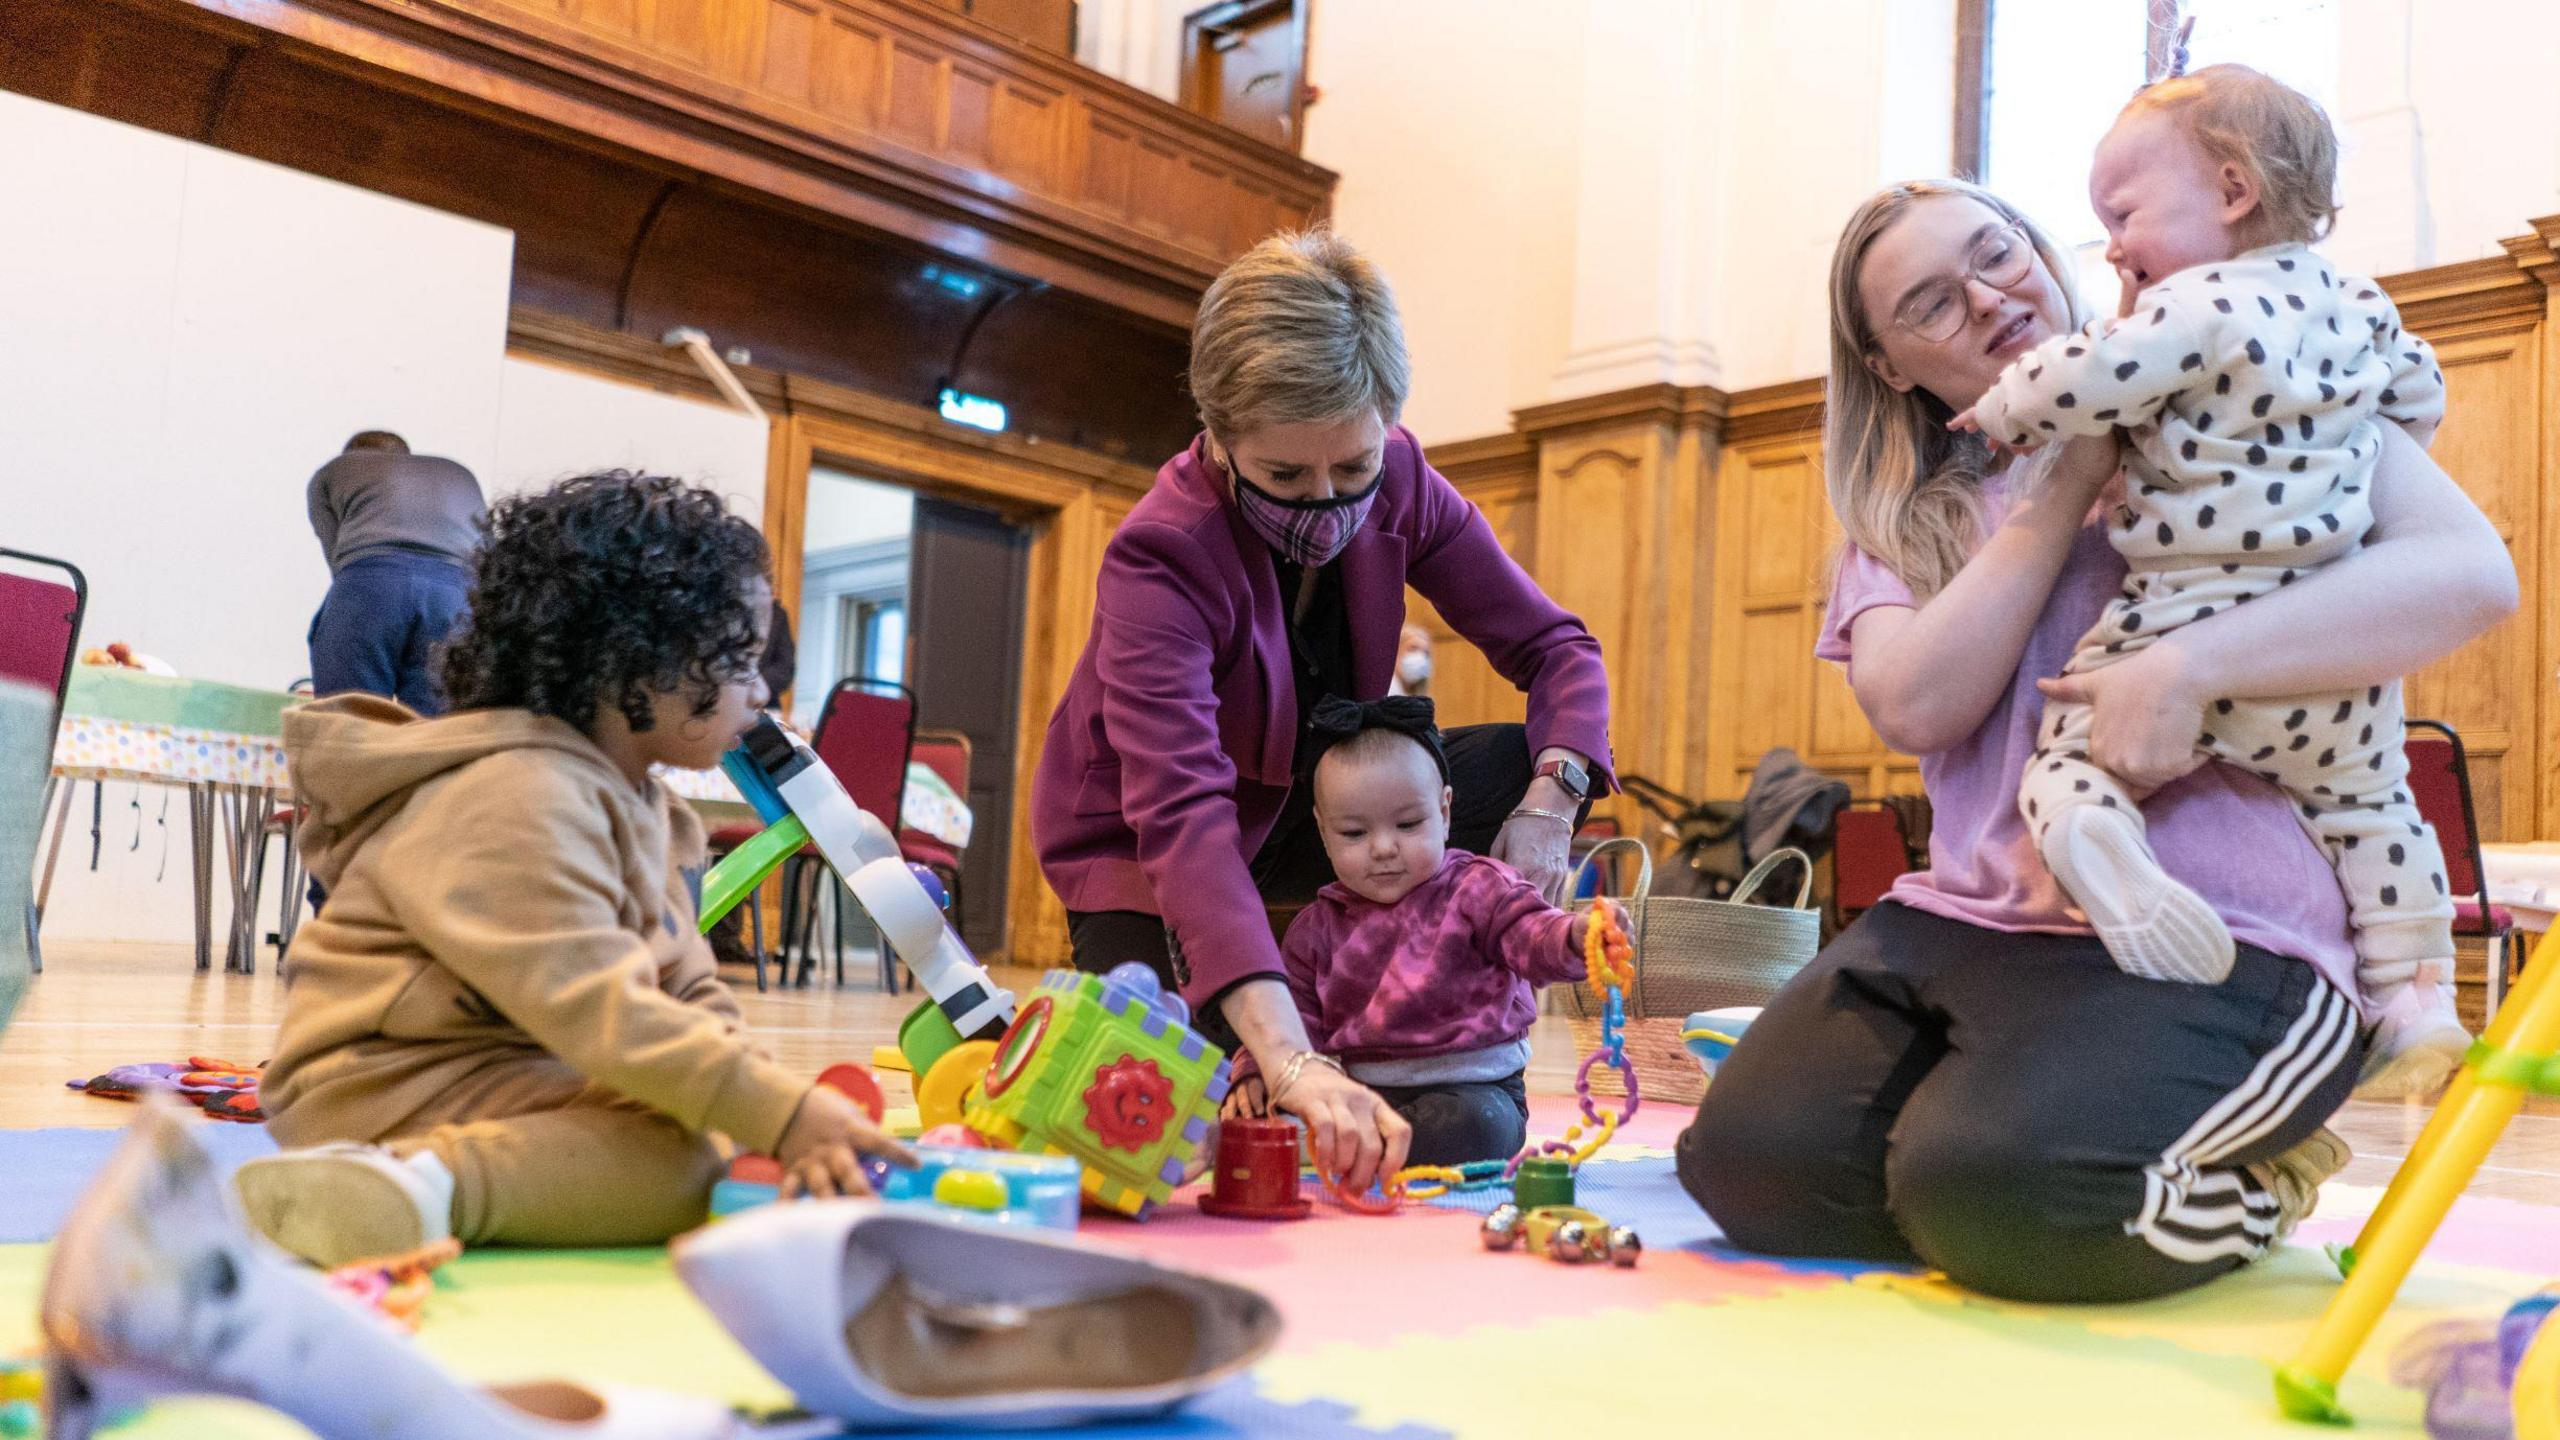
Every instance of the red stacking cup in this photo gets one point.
(1256, 1174)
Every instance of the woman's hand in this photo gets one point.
(2145, 715)
(1538, 846)
(821, 1149)
(1352, 1133)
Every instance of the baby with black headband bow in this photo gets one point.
(1417, 969)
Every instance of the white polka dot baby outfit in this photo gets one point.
(2249, 392)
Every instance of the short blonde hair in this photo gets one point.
(2273, 132)
(1300, 328)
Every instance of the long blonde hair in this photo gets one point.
(1905, 489)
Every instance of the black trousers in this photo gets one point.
(1488, 770)
(1463, 1121)
(2016, 1111)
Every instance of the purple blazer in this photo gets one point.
(1170, 753)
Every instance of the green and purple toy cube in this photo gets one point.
(1105, 1068)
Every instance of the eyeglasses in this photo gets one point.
(1936, 310)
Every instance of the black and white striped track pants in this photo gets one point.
(2016, 1111)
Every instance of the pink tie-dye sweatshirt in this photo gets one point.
(1449, 971)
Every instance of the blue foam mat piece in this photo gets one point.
(42, 1172)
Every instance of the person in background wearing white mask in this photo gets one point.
(1413, 663)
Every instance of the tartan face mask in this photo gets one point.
(1307, 532)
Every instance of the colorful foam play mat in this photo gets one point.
(1405, 1325)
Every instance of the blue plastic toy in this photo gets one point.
(996, 1187)
(1710, 1034)
(1000, 1187)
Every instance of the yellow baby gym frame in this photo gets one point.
(2515, 1056)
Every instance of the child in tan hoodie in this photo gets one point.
(504, 1024)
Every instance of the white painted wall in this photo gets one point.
(191, 334)
(555, 422)
(1466, 173)
(2452, 128)
(1455, 125)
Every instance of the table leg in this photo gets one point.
(238, 803)
(200, 840)
(257, 806)
(53, 851)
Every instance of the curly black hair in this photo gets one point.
(603, 589)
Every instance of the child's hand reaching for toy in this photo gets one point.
(822, 1149)
(1248, 1099)
(1579, 935)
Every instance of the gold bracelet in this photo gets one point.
(1298, 1062)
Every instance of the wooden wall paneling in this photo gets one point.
(2490, 321)
(2491, 689)
(1620, 484)
(2537, 256)
(1499, 476)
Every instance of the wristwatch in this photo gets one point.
(1575, 780)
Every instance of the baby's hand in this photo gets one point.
(1249, 1100)
(2129, 292)
(1965, 424)
(1579, 934)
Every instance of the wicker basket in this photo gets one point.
(1693, 955)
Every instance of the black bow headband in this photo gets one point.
(1336, 720)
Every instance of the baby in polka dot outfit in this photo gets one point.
(2248, 377)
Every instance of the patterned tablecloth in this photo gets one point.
(122, 724)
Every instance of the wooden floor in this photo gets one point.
(101, 1005)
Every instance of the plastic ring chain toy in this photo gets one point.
(1609, 967)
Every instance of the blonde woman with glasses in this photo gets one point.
(1965, 1078)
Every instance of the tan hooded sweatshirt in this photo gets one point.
(499, 895)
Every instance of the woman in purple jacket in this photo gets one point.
(1266, 570)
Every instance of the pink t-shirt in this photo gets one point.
(2228, 834)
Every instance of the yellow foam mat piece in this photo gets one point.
(594, 1315)
(1850, 1360)
(2261, 1312)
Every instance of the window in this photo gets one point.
(875, 637)
(2053, 73)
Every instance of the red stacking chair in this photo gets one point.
(39, 643)
(2440, 782)
(1868, 854)
(866, 731)
(946, 753)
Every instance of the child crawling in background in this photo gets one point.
(1418, 968)
(504, 1024)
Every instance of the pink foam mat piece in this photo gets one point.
(1342, 1278)
(2480, 1230)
